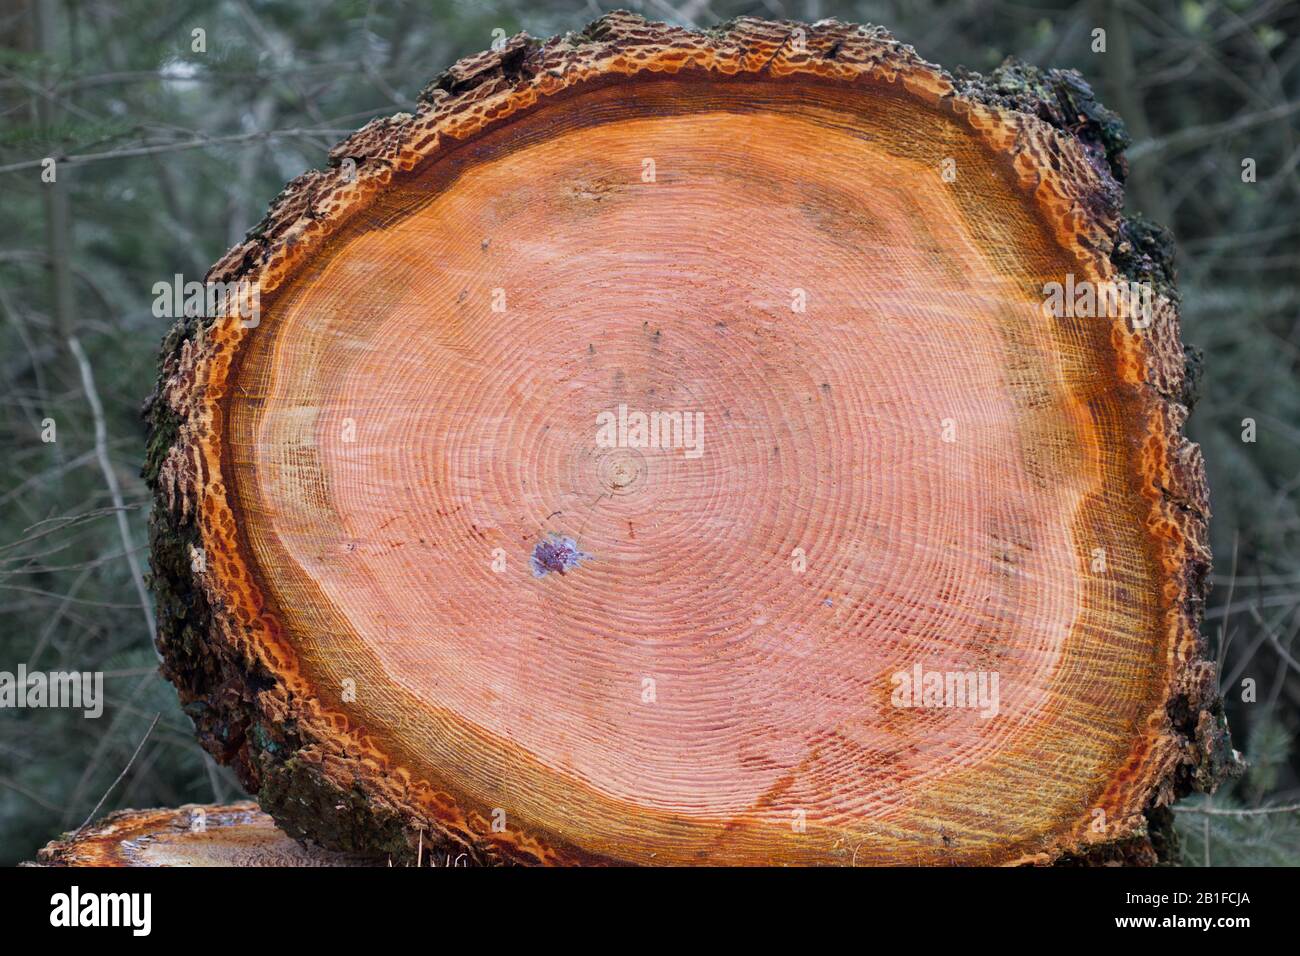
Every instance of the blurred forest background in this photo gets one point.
(168, 155)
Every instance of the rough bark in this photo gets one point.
(325, 768)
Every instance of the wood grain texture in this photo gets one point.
(352, 466)
(211, 835)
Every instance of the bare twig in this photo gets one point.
(257, 136)
(114, 489)
(1209, 133)
(138, 748)
(1251, 812)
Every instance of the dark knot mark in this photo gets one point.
(555, 552)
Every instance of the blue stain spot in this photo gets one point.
(829, 603)
(555, 552)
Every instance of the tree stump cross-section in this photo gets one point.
(663, 447)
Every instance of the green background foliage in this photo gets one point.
(181, 151)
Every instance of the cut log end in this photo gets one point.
(633, 442)
(210, 835)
